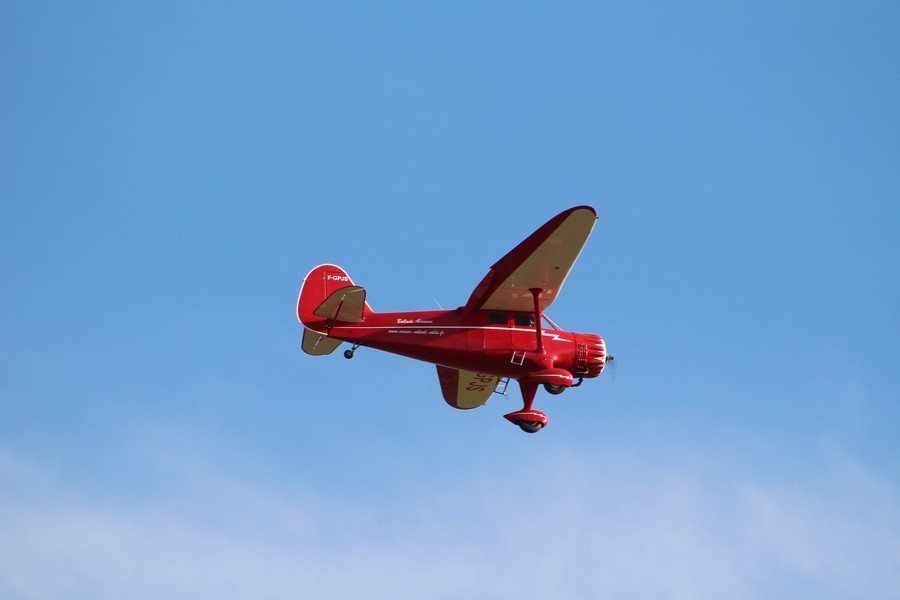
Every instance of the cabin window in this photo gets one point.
(498, 319)
(525, 320)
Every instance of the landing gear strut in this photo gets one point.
(348, 354)
(528, 419)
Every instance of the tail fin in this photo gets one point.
(318, 301)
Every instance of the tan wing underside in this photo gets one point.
(465, 389)
(546, 267)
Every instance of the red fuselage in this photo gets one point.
(498, 334)
(503, 343)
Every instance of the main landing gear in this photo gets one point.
(530, 426)
(528, 419)
(348, 354)
(556, 390)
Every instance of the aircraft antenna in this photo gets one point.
(438, 303)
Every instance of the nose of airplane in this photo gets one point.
(591, 355)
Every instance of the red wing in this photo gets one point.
(542, 261)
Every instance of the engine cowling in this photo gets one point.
(590, 355)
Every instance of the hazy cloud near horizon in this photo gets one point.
(609, 527)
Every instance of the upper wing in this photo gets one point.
(465, 389)
(542, 261)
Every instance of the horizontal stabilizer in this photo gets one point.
(465, 389)
(346, 304)
(318, 344)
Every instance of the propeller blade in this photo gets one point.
(611, 367)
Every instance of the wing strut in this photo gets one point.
(536, 292)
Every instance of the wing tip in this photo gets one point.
(582, 207)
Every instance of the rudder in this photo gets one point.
(317, 287)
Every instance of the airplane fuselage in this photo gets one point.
(503, 343)
(498, 333)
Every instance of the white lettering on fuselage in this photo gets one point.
(438, 332)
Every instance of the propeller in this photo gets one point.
(611, 366)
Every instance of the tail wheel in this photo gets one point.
(348, 354)
(556, 390)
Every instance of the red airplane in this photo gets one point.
(495, 337)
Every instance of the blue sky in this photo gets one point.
(169, 173)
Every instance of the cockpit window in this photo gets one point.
(525, 320)
(498, 319)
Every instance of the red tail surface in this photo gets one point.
(318, 286)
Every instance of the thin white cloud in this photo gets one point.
(601, 530)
